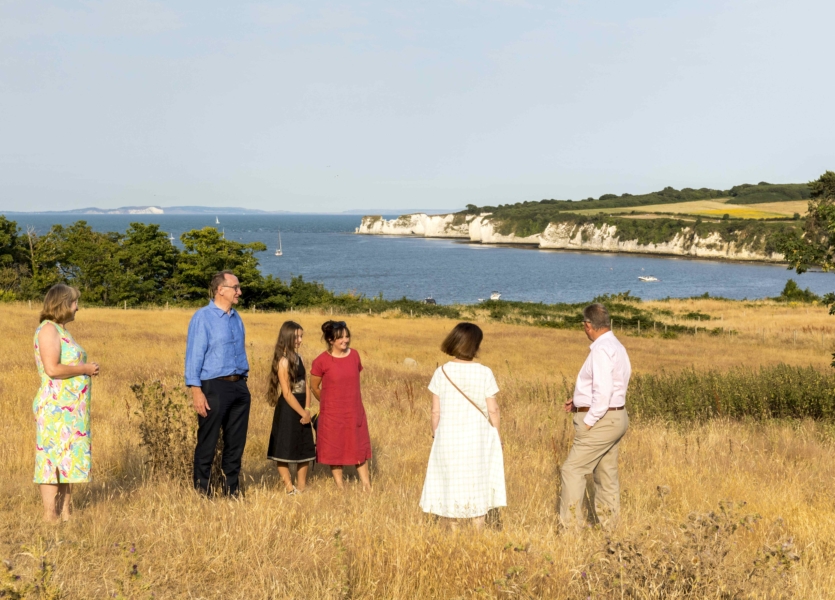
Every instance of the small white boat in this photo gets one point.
(495, 295)
(647, 278)
(217, 221)
(278, 251)
(429, 300)
(171, 237)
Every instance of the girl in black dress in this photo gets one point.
(291, 438)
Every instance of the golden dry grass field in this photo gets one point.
(323, 544)
(714, 208)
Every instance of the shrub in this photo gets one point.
(696, 559)
(168, 433)
(792, 293)
(780, 391)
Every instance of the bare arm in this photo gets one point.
(493, 412)
(436, 413)
(316, 387)
(284, 382)
(307, 397)
(49, 346)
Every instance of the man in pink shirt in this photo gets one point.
(600, 420)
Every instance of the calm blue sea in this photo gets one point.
(324, 248)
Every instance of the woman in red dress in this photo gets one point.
(342, 430)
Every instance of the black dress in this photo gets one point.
(290, 441)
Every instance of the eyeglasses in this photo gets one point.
(234, 287)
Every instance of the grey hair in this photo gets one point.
(218, 279)
(597, 315)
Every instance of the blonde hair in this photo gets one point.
(57, 304)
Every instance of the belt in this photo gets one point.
(232, 377)
(586, 408)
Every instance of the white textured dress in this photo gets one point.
(465, 475)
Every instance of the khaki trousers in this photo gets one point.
(595, 451)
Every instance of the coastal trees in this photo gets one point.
(816, 246)
(207, 252)
(11, 258)
(147, 261)
(87, 260)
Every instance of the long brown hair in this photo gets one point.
(285, 347)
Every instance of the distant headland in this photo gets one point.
(745, 222)
(212, 210)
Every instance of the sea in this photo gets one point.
(325, 248)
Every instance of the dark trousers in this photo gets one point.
(229, 402)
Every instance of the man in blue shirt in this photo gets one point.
(216, 373)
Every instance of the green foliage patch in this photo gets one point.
(779, 392)
(769, 192)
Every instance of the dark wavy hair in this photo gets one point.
(333, 330)
(285, 347)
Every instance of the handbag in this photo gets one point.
(467, 397)
(493, 518)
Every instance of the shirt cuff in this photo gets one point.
(590, 419)
(193, 382)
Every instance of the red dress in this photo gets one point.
(342, 432)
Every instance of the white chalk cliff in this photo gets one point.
(568, 236)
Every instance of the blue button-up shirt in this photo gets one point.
(215, 346)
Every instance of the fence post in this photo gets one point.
(126, 304)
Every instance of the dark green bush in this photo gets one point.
(781, 391)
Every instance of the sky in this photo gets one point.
(331, 106)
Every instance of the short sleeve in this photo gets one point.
(491, 388)
(316, 368)
(435, 382)
(359, 362)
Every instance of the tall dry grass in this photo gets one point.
(135, 533)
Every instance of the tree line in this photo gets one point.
(139, 267)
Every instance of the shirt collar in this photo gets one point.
(603, 337)
(219, 311)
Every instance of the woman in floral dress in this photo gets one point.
(62, 406)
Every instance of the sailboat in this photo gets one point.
(171, 237)
(217, 221)
(278, 251)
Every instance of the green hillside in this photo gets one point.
(768, 192)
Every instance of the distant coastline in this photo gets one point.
(204, 210)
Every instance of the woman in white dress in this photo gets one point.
(465, 475)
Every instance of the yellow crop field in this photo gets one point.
(134, 534)
(714, 208)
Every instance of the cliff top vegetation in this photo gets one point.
(746, 193)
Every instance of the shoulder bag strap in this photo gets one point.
(466, 396)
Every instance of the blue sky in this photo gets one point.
(329, 106)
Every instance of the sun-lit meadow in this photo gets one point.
(714, 208)
(134, 534)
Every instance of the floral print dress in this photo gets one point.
(62, 417)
